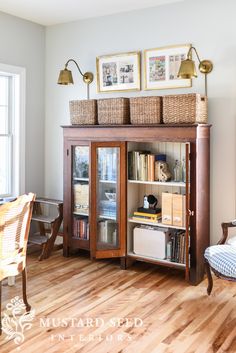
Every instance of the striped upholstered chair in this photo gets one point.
(221, 258)
(14, 230)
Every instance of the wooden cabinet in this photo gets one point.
(99, 199)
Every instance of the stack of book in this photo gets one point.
(141, 165)
(176, 249)
(107, 208)
(81, 228)
(147, 215)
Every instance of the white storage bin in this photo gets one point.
(151, 241)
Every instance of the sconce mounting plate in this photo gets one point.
(88, 77)
(205, 66)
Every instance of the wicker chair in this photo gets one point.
(14, 230)
(221, 258)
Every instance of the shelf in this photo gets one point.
(167, 183)
(107, 217)
(157, 261)
(80, 243)
(80, 214)
(106, 245)
(81, 179)
(107, 181)
(156, 224)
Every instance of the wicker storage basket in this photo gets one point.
(145, 110)
(83, 112)
(184, 109)
(113, 111)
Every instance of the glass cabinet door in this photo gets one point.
(109, 200)
(80, 183)
(107, 197)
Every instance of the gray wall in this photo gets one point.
(23, 44)
(208, 24)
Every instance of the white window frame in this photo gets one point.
(18, 75)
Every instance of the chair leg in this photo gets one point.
(0, 308)
(28, 307)
(55, 226)
(209, 277)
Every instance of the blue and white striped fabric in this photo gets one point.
(222, 258)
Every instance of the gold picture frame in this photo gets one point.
(118, 72)
(161, 66)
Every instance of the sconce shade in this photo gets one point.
(187, 69)
(65, 77)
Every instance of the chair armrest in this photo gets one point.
(225, 227)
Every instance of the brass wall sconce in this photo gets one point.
(188, 70)
(66, 78)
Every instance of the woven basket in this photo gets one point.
(184, 109)
(145, 110)
(83, 112)
(113, 111)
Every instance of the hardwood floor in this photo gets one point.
(171, 316)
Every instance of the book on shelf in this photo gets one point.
(146, 219)
(147, 215)
(81, 228)
(150, 167)
(142, 167)
(175, 248)
(137, 165)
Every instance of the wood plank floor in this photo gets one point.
(171, 316)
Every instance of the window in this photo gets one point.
(11, 131)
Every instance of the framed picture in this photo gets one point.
(161, 67)
(118, 72)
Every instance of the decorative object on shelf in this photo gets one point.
(113, 111)
(111, 196)
(66, 78)
(177, 171)
(83, 112)
(149, 202)
(152, 200)
(162, 171)
(145, 202)
(184, 109)
(118, 72)
(162, 66)
(187, 68)
(145, 110)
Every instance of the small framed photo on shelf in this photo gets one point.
(118, 72)
(161, 67)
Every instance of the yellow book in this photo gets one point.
(152, 215)
(144, 220)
